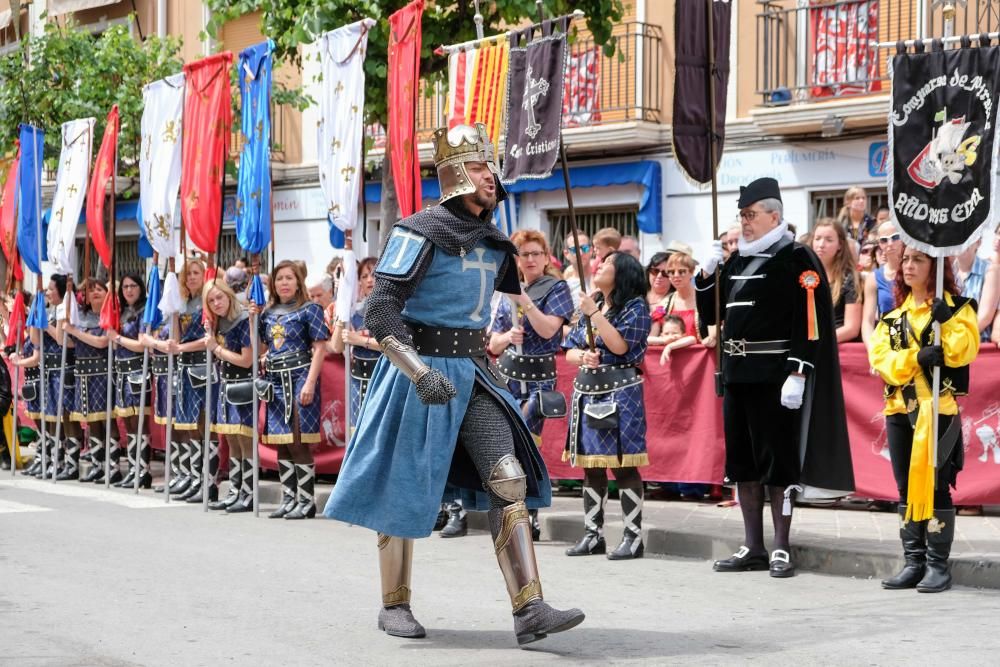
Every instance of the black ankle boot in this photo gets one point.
(913, 535)
(592, 542)
(940, 534)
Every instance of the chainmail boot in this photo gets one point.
(195, 468)
(631, 545)
(286, 473)
(306, 477)
(395, 559)
(534, 619)
(592, 541)
(131, 454)
(71, 461)
(96, 456)
(244, 502)
(211, 477)
(913, 535)
(115, 453)
(940, 535)
(235, 477)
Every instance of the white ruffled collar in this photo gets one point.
(757, 246)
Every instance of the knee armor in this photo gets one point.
(507, 479)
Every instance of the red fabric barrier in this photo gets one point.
(684, 424)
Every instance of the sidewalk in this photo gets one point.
(846, 542)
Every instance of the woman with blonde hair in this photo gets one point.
(365, 350)
(227, 337)
(830, 243)
(854, 216)
(295, 332)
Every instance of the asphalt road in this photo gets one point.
(95, 577)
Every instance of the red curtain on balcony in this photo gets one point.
(843, 56)
(582, 88)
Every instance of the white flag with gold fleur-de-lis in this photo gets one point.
(72, 178)
(341, 122)
(160, 162)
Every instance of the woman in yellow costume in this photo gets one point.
(904, 354)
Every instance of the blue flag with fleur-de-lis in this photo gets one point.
(253, 191)
(29, 182)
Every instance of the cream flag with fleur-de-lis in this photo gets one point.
(160, 162)
(72, 178)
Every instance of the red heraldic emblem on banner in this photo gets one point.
(8, 215)
(404, 73)
(208, 116)
(104, 170)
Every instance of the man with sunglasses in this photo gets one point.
(779, 359)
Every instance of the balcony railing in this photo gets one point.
(598, 89)
(810, 50)
(279, 134)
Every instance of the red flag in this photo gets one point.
(111, 314)
(17, 320)
(104, 170)
(404, 76)
(208, 116)
(8, 216)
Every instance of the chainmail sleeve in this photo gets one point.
(385, 303)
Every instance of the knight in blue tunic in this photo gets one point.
(436, 411)
(90, 405)
(130, 378)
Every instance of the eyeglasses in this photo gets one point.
(585, 248)
(531, 255)
(129, 286)
(659, 273)
(749, 216)
(883, 240)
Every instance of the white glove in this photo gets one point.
(712, 260)
(791, 392)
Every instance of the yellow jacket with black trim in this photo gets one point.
(903, 331)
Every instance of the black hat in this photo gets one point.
(762, 188)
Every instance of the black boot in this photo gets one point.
(442, 519)
(145, 454)
(592, 541)
(71, 461)
(631, 545)
(235, 477)
(181, 483)
(244, 502)
(176, 452)
(940, 534)
(115, 454)
(536, 528)
(306, 507)
(44, 449)
(458, 525)
(131, 454)
(286, 473)
(913, 535)
(96, 456)
(212, 476)
(195, 465)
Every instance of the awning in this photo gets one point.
(57, 7)
(648, 174)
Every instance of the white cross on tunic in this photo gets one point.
(406, 237)
(482, 267)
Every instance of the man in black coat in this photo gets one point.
(779, 358)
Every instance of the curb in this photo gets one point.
(845, 558)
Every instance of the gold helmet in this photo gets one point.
(453, 148)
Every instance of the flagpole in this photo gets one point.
(714, 157)
(173, 324)
(110, 421)
(445, 50)
(40, 294)
(142, 407)
(62, 376)
(254, 400)
(16, 389)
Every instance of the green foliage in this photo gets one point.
(74, 74)
(294, 23)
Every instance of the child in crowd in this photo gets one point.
(673, 331)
